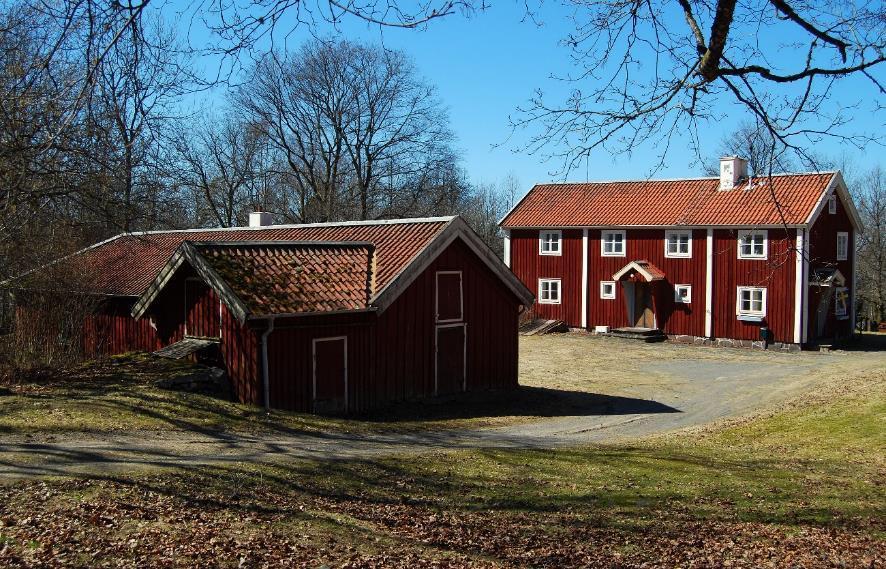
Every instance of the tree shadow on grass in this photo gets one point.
(626, 485)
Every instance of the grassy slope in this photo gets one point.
(119, 395)
(801, 486)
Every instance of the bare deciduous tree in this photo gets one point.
(223, 162)
(357, 128)
(764, 153)
(871, 246)
(655, 70)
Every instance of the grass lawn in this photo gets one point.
(801, 486)
(559, 375)
(118, 394)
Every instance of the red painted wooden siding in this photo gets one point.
(112, 330)
(241, 354)
(290, 360)
(729, 272)
(776, 274)
(202, 310)
(449, 297)
(330, 370)
(530, 266)
(648, 244)
(405, 332)
(823, 253)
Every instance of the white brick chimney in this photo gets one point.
(733, 169)
(260, 219)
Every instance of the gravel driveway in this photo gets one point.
(611, 390)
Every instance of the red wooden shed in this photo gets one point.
(335, 317)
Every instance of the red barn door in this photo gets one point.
(450, 366)
(449, 298)
(202, 310)
(330, 374)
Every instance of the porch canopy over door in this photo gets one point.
(638, 279)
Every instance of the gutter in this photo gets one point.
(266, 383)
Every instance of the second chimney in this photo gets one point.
(260, 219)
(732, 170)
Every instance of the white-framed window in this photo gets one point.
(751, 301)
(832, 205)
(550, 242)
(842, 245)
(753, 244)
(549, 291)
(607, 290)
(678, 243)
(612, 243)
(841, 302)
(682, 293)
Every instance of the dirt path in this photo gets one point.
(647, 390)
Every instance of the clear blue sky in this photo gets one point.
(486, 65)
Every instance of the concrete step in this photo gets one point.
(647, 335)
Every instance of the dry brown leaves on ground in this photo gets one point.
(154, 523)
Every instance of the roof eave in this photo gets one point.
(187, 252)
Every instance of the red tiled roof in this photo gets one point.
(127, 264)
(654, 272)
(784, 198)
(290, 278)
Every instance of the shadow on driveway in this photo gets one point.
(520, 402)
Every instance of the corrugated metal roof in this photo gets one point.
(290, 278)
(785, 198)
(127, 264)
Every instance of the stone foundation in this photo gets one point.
(731, 343)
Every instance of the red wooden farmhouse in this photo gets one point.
(730, 260)
(319, 317)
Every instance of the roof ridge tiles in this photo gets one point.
(368, 222)
(687, 179)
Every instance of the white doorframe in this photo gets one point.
(461, 296)
(314, 343)
(464, 375)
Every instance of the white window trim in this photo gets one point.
(559, 291)
(754, 313)
(624, 243)
(541, 241)
(745, 232)
(603, 295)
(845, 255)
(832, 204)
(461, 296)
(668, 234)
(314, 343)
(683, 300)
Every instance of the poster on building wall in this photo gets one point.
(841, 303)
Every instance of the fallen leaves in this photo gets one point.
(168, 522)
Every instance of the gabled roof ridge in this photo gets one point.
(283, 226)
(272, 243)
(689, 179)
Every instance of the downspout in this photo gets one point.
(266, 382)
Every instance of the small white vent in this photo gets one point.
(260, 219)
